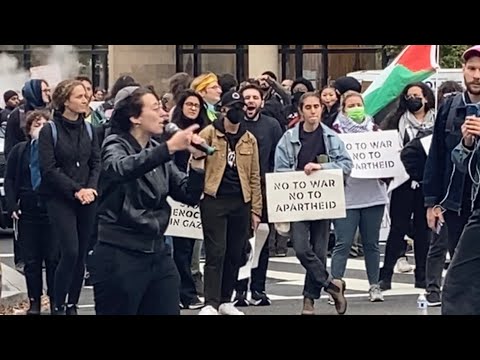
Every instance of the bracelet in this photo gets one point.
(200, 158)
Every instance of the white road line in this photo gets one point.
(6, 255)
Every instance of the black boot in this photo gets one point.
(59, 310)
(71, 310)
(52, 306)
(35, 307)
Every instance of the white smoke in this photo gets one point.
(67, 60)
(62, 61)
(12, 77)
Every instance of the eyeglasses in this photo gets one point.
(192, 105)
(215, 87)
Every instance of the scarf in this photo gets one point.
(344, 125)
(35, 175)
(409, 125)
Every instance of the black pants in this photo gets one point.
(405, 202)
(226, 228)
(72, 230)
(38, 246)
(18, 257)
(461, 290)
(440, 244)
(182, 255)
(127, 282)
(310, 242)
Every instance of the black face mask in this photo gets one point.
(413, 105)
(235, 115)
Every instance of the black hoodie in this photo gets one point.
(230, 185)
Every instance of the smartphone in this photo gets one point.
(472, 110)
(323, 159)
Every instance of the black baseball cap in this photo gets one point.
(230, 98)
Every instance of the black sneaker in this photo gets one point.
(240, 299)
(260, 299)
(35, 307)
(195, 304)
(433, 299)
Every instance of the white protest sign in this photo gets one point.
(426, 143)
(185, 221)
(295, 196)
(50, 73)
(385, 227)
(374, 154)
(246, 270)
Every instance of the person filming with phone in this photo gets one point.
(447, 184)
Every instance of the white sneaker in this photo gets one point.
(403, 266)
(375, 294)
(208, 310)
(229, 309)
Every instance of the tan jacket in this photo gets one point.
(247, 164)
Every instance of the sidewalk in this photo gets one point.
(14, 289)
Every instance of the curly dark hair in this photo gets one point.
(391, 121)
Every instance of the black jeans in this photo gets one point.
(461, 290)
(226, 228)
(447, 240)
(72, 230)
(127, 282)
(310, 242)
(34, 231)
(405, 202)
(182, 255)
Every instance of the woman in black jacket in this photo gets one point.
(24, 205)
(70, 167)
(414, 117)
(189, 110)
(131, 269)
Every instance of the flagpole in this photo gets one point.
(437, 60)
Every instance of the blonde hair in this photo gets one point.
(201, 82)
(62, 93)
(348, 95)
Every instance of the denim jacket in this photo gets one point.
(288, 148)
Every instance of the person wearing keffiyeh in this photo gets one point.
(365, 201)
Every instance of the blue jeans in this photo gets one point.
(369, 221)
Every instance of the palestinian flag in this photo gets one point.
(415, 63)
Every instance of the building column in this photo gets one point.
(263, 58)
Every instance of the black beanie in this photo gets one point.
(8, 95)
(347, 83)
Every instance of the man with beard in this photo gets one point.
(448, 188)
(268, 132)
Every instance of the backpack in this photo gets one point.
(55, 132)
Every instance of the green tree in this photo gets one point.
(450, 55)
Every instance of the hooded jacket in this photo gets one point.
(15, 132)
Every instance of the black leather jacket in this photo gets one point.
(134, 184)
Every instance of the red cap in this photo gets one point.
(473, 51)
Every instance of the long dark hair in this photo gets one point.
(179, 118)
(129, 107)
(391, 121)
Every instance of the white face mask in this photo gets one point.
(35, 133)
